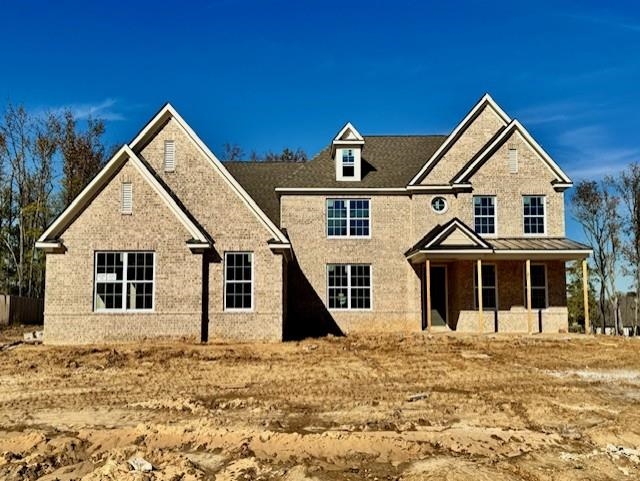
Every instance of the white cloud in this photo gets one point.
(105, 110)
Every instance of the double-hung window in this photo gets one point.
(238, 281)
(538, 286)
(489, 287)
(124, 281)
(349, 286)
(534, 214)
(348, 163)
(348, 218)
(484, 214)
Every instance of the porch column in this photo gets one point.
(529, 311)
(479, 294)
(427, 267)
(585, 296)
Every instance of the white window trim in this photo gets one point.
(349, 308)
(446, 204)
(546, 285)
(124, 282)
(495, 216)
(544, 207)
(348, 201)
(253, 284)
(475, 286)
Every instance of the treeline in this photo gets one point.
(609, 212)
(45, 161)
(234, 153)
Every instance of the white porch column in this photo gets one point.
(585, 296)
(479, 294)
(529, 311)
(427, 266)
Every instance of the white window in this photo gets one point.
(126, 206)
(348, 218)
(484, 214)
(349, 286)
(169, 156)
(348, 163)
(513, 160)
(534, 214)
(124, 281)
(439, 205)
(238, 281)
(538, 286)
(489, 287)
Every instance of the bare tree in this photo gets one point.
(627, 185)
(232, 152)
(596, 209)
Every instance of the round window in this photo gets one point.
(439, 204)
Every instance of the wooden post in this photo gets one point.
(529, 311)
(427, 267)
(585, 295)
(479, 294)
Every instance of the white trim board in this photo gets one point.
(61, 223)
(168, 112)
(458, 130)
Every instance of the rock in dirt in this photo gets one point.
(418, 397)
(34, 337)
(140, 465)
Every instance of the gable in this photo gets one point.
(482, 123)
(200, 180)
(454, 235)
(458, 238)
(533, 162)
(111, 177)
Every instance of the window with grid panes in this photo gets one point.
(124, 281)
(348, 217)
(533, 212)
(238, 280)
(349, 286)
(484, 214)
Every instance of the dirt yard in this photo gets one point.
(375, 408)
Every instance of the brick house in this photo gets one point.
(463, 232)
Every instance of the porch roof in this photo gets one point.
(437, 244)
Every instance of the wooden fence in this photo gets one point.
(21, 310)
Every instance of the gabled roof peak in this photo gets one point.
(348, 133)
(485, 100)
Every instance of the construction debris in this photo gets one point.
(140, 465)
(34, 337)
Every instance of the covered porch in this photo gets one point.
(472, 284)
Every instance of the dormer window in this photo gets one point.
(346, 151)
(348, 163)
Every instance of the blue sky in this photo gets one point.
(269, 74)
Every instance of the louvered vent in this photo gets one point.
(513, 161)
(169, 156)
(127, 197)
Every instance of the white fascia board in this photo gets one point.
(485, 100)
(539, 252)
(430, 188)
(469, 233)
(348, 126)
(78, 203)
(340, 190)
(48, 245)
(123, 154)
(168, 111)
(515, 126)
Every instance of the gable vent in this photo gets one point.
(169, 156)
(127, 198)
(513, 161)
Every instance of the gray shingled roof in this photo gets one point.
(260, 180)
(388, 161)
